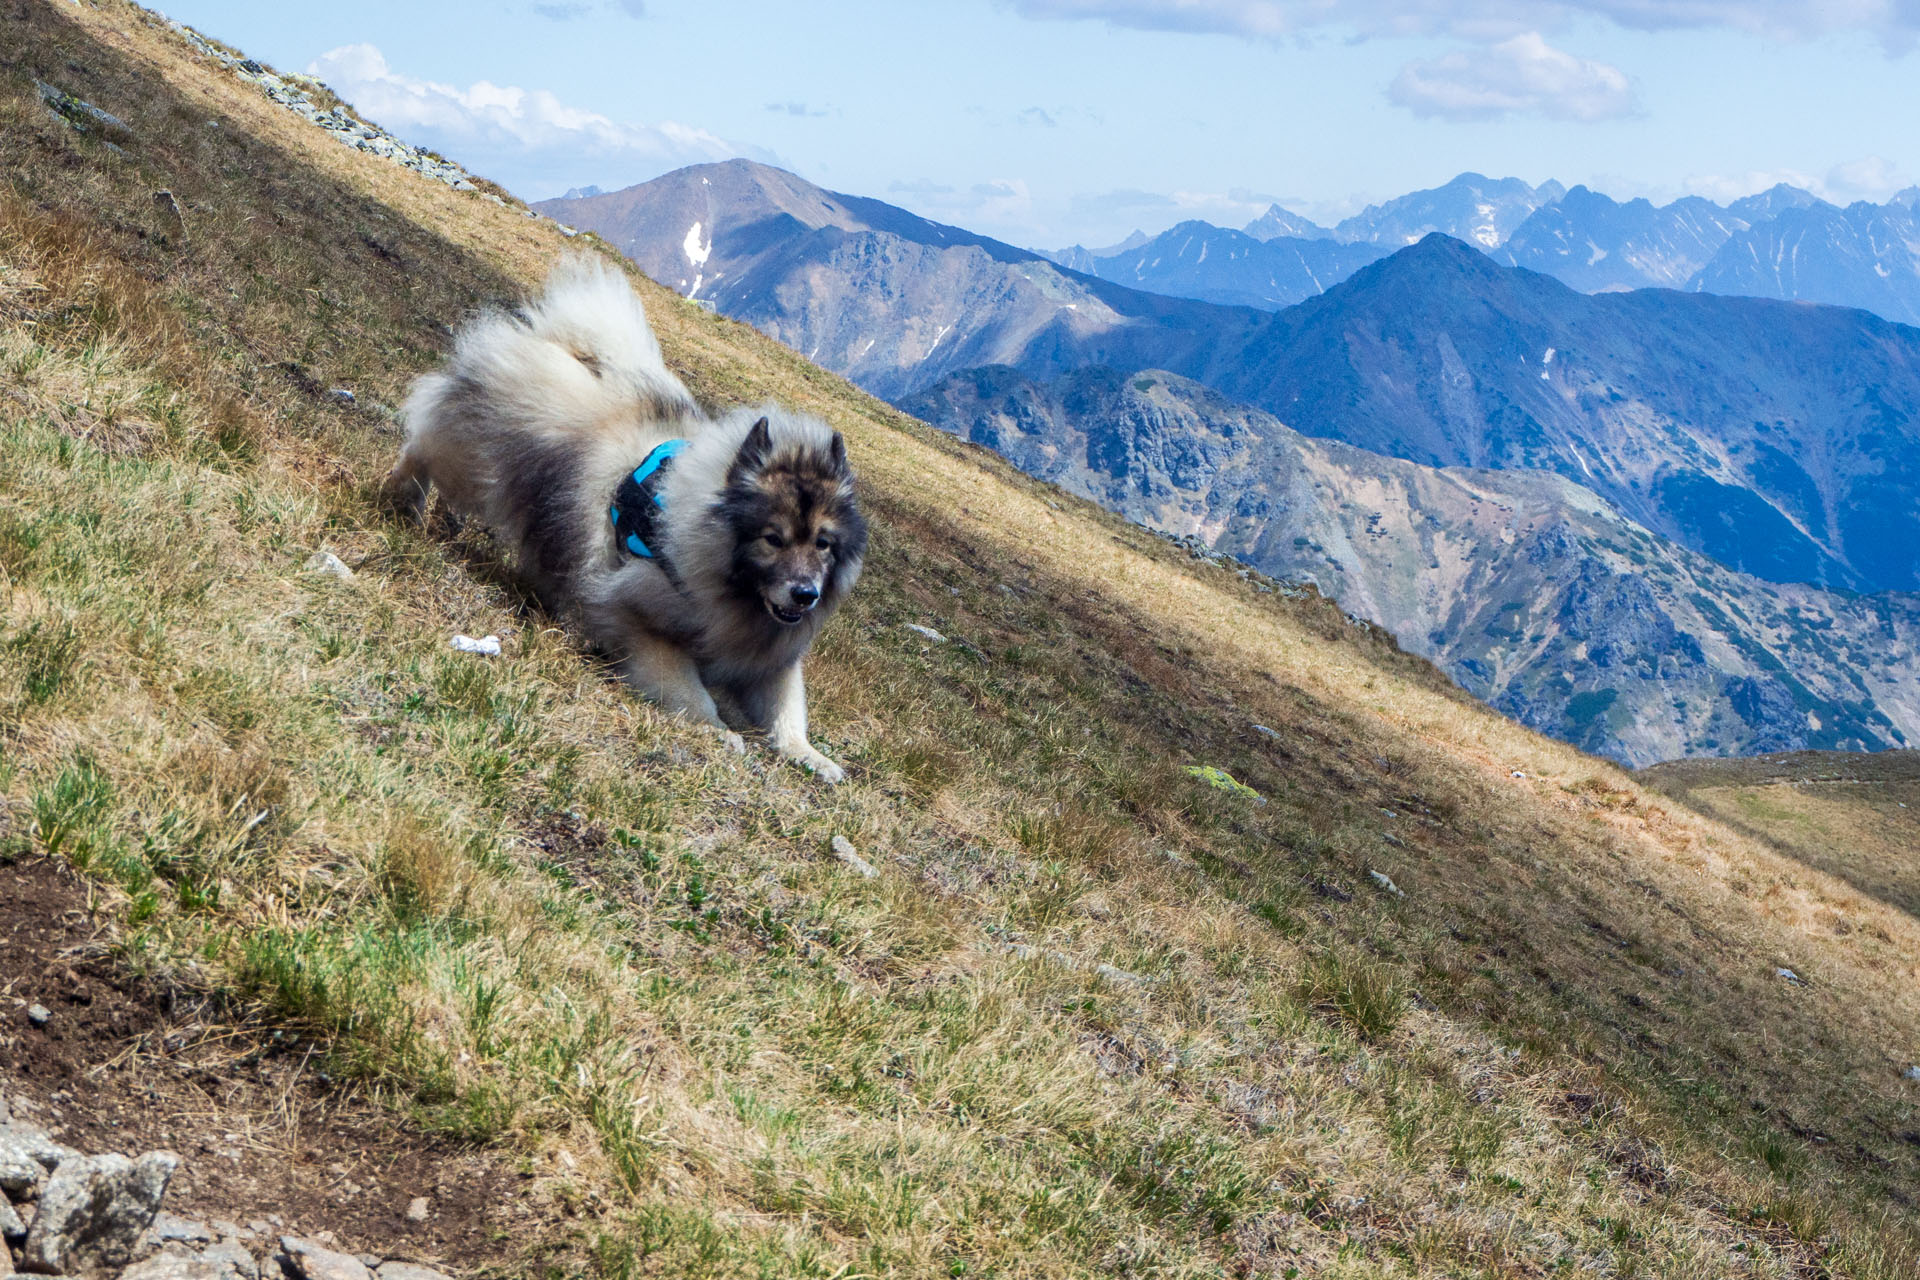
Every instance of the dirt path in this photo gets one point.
(126, 1064)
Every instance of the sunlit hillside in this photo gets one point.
(1210, 934)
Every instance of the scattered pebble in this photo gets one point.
(38, 1015)
(1271, 733)
(926, 632)
(486, 646)
(1518, 774)
(843, 849)
(1790, 976)
(1386, 882)
(417, 1209)
(1912, 1073)
(331, 565)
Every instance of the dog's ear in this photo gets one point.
(837, 455)
(753, 452)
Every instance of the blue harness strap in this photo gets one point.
(637, 504)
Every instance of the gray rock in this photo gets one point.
(83, 116)
(843, 849)
(1790, 976)
(1113, 973)
(19, 1176)
(306, 1260)
(927, 633)
(329, 564)
(27, 1156)
(6, 1117)
(1912, 1073)
(94, 1211)
(232, 1261)
(13, 1228)
(37, 1014)
(172, 1265)
(1386, 882)
(418, 1209)
(408, 1271)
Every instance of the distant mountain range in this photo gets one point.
(1784, 243)
(1535, 593)
(887, 298)
(1700, 453)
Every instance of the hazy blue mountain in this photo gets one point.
(1199, 260)
(1080, 258)
(888, 298)
(1481, 211)
(1533, 592)
(1591, 242)
(1781, 439)
(1780, 243)
(1281, 222)
(1865, 255)
(1774, 200)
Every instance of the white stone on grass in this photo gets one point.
(843, 849)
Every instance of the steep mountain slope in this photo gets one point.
(1782, 440)
(1865, 255)
(1530, 591)
(1594, 244)
(1200, 260)
(1093, 1014)
(878, 294)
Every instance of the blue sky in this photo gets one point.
(1047, 122)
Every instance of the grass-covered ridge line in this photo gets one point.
(532, 911)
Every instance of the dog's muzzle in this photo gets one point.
(801, 597)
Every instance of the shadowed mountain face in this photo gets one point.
(1531, 591)
(874, 292)
(1778, 438)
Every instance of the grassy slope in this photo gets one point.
(1854, 816)
(533, 910)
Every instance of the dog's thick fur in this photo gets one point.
(532, 426)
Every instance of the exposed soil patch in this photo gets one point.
(126, 1064)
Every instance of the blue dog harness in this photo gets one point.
(638, 505)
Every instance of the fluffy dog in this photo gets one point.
(703, 553)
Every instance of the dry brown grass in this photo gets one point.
(526, 906)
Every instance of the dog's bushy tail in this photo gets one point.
(580, 353)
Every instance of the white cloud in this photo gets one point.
(526, 139)
(1895, 21)
(1523, 74)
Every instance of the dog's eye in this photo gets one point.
(825, 543)
(774, 540)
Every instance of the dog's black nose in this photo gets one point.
(803, 595)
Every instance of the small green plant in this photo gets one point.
(1367, 995)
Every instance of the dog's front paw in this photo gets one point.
(732, 741)
(822, 768)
